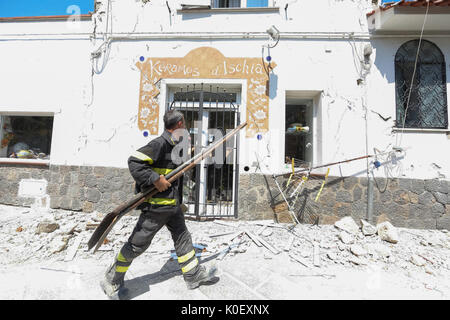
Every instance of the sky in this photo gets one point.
(384, 1)
(29, 8)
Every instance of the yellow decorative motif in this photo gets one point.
(205, 63)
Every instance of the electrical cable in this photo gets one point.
(106, 45)
(412, 79)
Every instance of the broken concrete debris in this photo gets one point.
(387, 232)
(418, 261)
(346, 238)
(358, 250)
(367, 229)
(46, 227)
(347, 224)
(304, 246)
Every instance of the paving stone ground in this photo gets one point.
(253, 274)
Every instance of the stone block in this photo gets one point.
(74, 169)
(46, 174)
(110, 173)
(444, 186)
(443, 222)
(86, 170)
(93, 195)
(334, 183)
(400, 197)
(363, 182)
(387, 232)
(63, 189)
(103, 207)
(67, 178)
(65, 203)
(422, 223)
(119, 197)
(417, 186)
(426, 198)
(88, 206)
(393, 184)
(437, 210)
(46, 227)
(24, 175)
(64, 169)
(359, 209)
(347, 224)
(327, 219)
(74, 178)
(432, 185)
(385, 196)
(36, 173)
(357, 193)
(104, 185)
(344, 196)
(441, 197)
(252, 196)
(54, 202)
(413, 197)
(116, 183)
(91, 181)
(55, 177)
(418, 211)
(404, 184)
(382, 218)
(76, 205)
(349, 183)
(74, 191)
(99, 171)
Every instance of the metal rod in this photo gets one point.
(326, 165)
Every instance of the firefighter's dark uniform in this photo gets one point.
(146, 165)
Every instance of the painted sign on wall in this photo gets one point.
(205, 63)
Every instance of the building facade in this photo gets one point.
(84, 91)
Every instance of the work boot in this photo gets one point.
(112, 284)
(201, 277)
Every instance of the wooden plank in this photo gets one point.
(253, 237)
(269, 246)
(260, 230)
(73, 249)
(289, 243)
(300, 260)
(316, 255)
(263, 242)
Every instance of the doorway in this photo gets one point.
(210, 111)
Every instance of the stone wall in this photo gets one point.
(76, 188)
(409, 203)
(406, 202)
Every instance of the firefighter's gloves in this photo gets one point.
(162, 184)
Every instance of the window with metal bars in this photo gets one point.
(421, 86)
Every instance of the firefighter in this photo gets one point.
(148, 165)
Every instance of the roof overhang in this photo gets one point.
(408, 18)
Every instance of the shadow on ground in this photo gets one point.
(140, 285)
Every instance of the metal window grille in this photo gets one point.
(220, 181)
(427, 106)
(226, 3)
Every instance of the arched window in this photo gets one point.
(426, 104)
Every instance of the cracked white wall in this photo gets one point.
(96, 114)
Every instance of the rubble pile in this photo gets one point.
(60, 235)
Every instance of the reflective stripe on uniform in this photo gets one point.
(162, 170)
(190, 265)
(121, 269)
(163, 201)
(142, 156)
(186, 257)
(121, 258)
